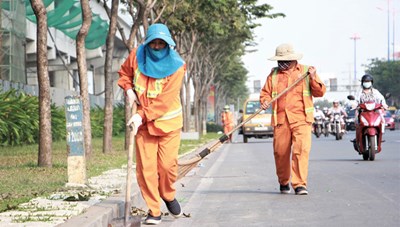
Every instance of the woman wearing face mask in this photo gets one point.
(152, 77)
(370, 94)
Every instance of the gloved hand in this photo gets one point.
(132, 97)
(135, 122)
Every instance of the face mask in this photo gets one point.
(284, 65)
(158, 54)
(367, 84)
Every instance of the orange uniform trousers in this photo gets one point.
(292, 144)
(157, 167)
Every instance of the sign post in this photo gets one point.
(75, 141)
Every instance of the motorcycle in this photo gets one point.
(326, 126)
(318, 126)
(336, 129)
(368, 130)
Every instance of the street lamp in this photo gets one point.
(355, 37)
(388, 28)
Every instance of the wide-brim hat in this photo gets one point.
(285, 52)
(159, 31)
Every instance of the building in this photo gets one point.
(18, 49)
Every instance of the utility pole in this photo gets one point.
(355, 37)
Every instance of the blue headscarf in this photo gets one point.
(158, 63)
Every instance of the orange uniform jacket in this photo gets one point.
(160, 104)
(227, 118)
(296, 104)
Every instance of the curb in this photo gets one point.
(103, 213)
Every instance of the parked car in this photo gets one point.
(389, 120)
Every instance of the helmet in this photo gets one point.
(317, 107)
(325, 108)
(335, 101)
(226, 107)
(367, 77)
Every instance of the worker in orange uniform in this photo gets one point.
(152, 77)
(227, 121)
(292, 117)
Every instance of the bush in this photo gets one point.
(212, 127)
(97, 120)
(19, 119)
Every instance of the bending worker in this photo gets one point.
(292, 117)
(152, 77)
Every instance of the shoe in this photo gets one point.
(174, 208)
(301, 190)
(285, 189)
(150, 220)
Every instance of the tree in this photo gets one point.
(386, 78)
(45, 139)
(207, 45)
(82, 70)
(139, 11)
(109, 97)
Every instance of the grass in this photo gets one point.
(21, 179)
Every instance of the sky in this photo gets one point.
(321, 31)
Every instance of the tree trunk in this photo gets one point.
(82, 69)
(109, 97)
(137, 17)
(45, 139)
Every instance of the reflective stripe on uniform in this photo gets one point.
(170, 114)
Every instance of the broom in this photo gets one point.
(184, 166)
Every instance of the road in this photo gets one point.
(237, 186)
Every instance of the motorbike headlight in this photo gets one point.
(377, 121)
(370, 106)
(364, 121)
(391, 120)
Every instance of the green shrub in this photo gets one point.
(97, 120)
(19, 119)
(212, 127)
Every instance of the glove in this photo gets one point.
(135, 122)
(132, 97)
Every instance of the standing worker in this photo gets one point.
(292, 117)
(152, 77)
(227, 121)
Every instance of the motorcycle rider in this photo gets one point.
(370, 94)
(325, 110)
(318, 113)
(336, 108)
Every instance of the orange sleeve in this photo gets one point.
(318, 88)
(266, 91)
(161, 104)
(126, 72)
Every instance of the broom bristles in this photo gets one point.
(186, 165)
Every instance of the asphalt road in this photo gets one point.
(237, 186)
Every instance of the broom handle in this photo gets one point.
(224, 138)
(131, 150)
(272, 100)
